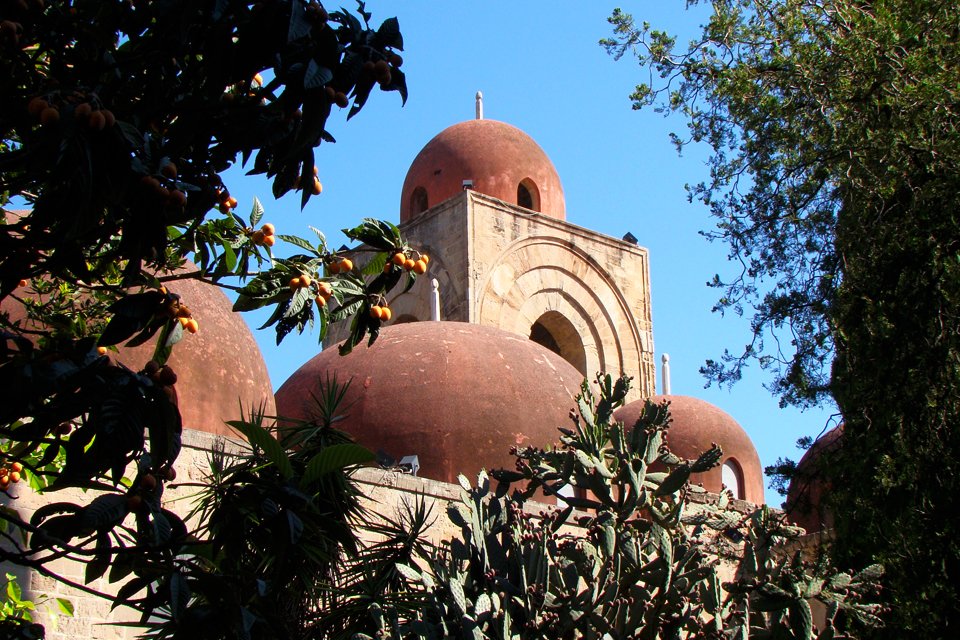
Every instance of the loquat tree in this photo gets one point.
(117, 121)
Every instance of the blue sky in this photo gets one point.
(540, 68)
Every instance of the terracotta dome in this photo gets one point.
(501, 160)
(804, 505)
(219, 368)
(697, 424)
(456, 395)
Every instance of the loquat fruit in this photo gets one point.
(134, 502)
(96, 121)
(102, 350)
(409, 263)
(269, 240)
(346, 265)
(294, 283)
(148, 482)
(178, 198)
(16, 466)
(419, 267)
(341, 100)
(257, 237)
(305, 280)
(166, 376)
(317, 187)
(14, 477)
(82, 111)
(23, 283)
(268, 229)
(385, 313)
(36, 106)
(376, 312)
(321, 301)
(334, 267)
(168, 473)
(398, 258)
(50, 116)
(169, 170)
(192, 326)
(425, 258)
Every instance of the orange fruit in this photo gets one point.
(334, 267)
(294, 283)
(96, 121)
(325, 289)
(168, 473)
(425, 258)
(317, 187)
(420, 267)
(409, 263)
(192, 326)
(341, 100)
(269, 240)
(346, 265)
(50, 115)
(14, 476)
(305, 280)
(385, 313)
(4, 483)
(102, 351)
(183, 321)
(178, 198)
(387, 267)
(82, 111)
(16, 466)
(376, 312)
(258, 79)
(268, 229)
(398, 258)
(23, 283)
(231, 202)
(36, 106)
(321, 301)
(257, 237)
(169, 170)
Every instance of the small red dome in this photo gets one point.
(804, 505)
(695, 425)
(501, 160)
(457, 395)
(219, 368)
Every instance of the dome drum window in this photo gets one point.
(528, 196)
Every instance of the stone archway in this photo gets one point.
(557, 333)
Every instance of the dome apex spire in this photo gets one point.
(479, 105)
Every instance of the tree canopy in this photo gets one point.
(834, 180)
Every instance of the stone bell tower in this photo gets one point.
(486, 203)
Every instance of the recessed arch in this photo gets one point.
(732, 478)
(528, 196)
(557, 333)
(419, 201)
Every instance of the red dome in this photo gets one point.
(219, 368)
(457, 395)
(695, 425)
(804, 506)
(497, 157)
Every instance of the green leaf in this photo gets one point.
(333, 458)
(261, 438)
(300, 242)
(65, 606)
(256, 213)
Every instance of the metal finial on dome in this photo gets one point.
(479, 105)
(665, 373)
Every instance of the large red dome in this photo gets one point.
(695, 425)
(219, 368)
(457, 395)
(501, 161)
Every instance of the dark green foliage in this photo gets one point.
(834, 181)
(636, 563)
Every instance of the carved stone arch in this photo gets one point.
(537, 274)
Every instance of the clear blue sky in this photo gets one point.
(540, 68)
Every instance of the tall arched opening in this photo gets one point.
(555, 332)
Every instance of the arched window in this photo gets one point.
(419, 201)
(558, 334)
(732, 478)
(528, 196)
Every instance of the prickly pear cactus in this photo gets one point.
(618, 558)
